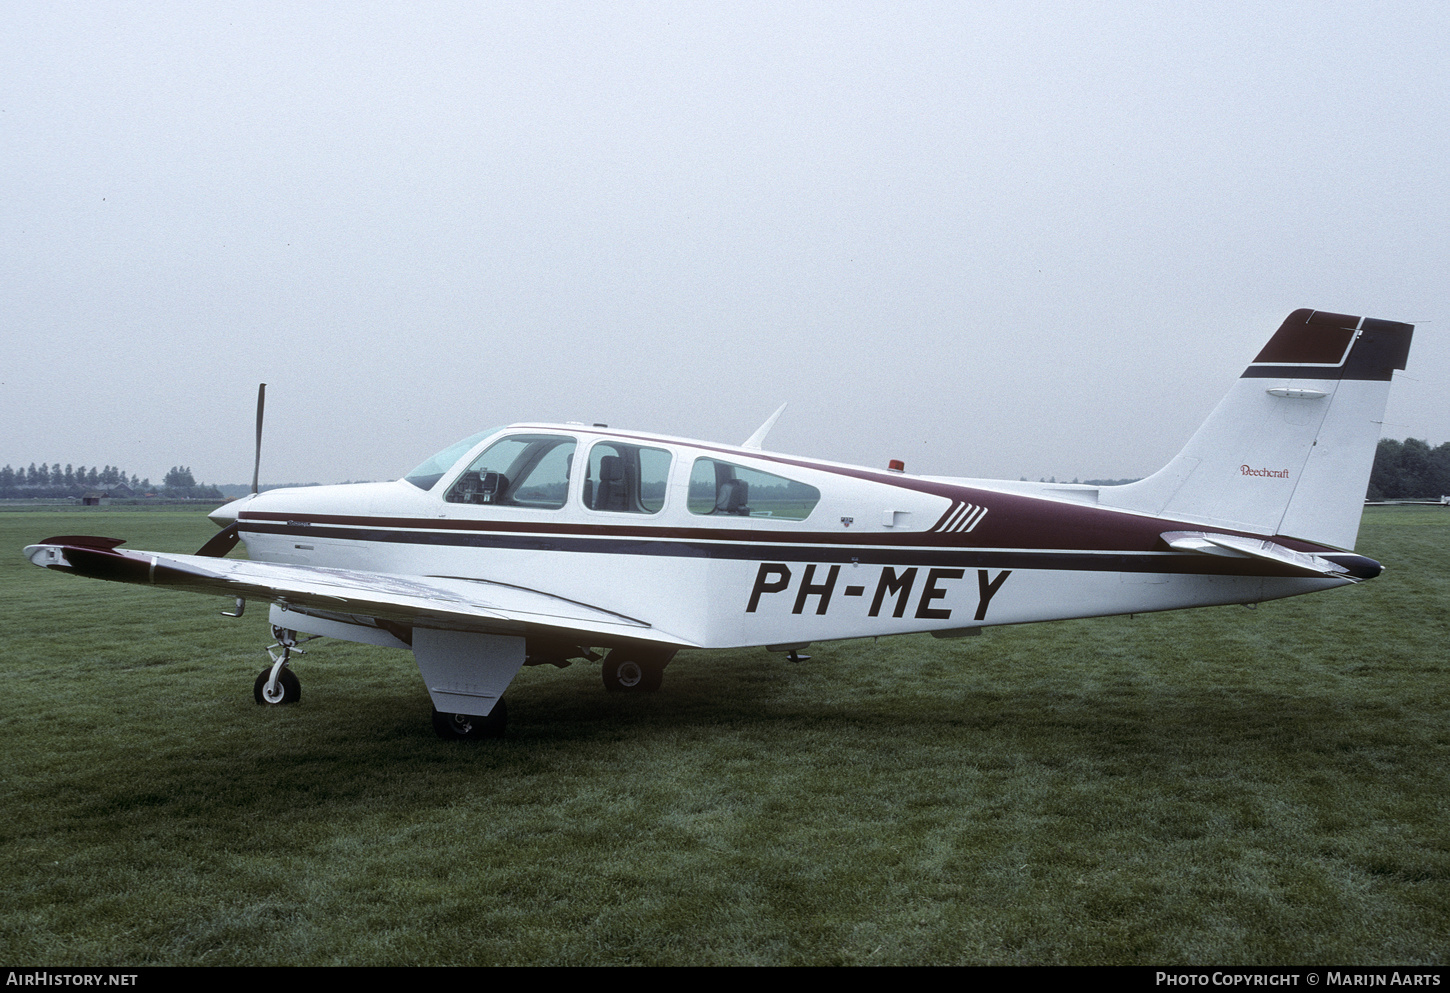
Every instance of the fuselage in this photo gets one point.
(719, 546)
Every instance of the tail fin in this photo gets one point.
(1289, 450)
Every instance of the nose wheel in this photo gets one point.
(286, 688)
(278, 684)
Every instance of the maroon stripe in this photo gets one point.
(1015, 522)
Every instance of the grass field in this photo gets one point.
(1211, 786)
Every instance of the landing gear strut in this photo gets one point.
(278, 684)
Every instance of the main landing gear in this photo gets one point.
(468, 727)
(278, 684)
(634, 672)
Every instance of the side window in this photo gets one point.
(627, 479)
(720, 488)
(522, 470)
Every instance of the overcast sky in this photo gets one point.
(1011, 239)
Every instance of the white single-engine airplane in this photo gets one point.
(538, 543)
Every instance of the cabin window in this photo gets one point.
(426, 476)
(522, 470)
(627, 479)
(726, 490)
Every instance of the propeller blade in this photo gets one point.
(222, 542)
(257, 463)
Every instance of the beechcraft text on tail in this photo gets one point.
(556, 543)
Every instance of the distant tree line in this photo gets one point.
(1409, 470)
(57, 482)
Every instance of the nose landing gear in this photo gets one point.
(278, 684)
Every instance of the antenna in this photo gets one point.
(758, 438)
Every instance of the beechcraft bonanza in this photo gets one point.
(544, 543)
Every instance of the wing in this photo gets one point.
(448, 602)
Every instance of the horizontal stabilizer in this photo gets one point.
(1238, 546)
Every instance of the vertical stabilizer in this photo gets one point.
(1290, 449)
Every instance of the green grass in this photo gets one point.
(1212, 786)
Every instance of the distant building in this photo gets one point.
(95, 498)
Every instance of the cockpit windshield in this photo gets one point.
(426, 476)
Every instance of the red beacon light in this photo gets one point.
(896, 465)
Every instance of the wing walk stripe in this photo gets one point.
(552, 596)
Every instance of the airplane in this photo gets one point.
(543, 543)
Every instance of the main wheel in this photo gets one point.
(627, 675)
(470, 727)
(287, 690)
